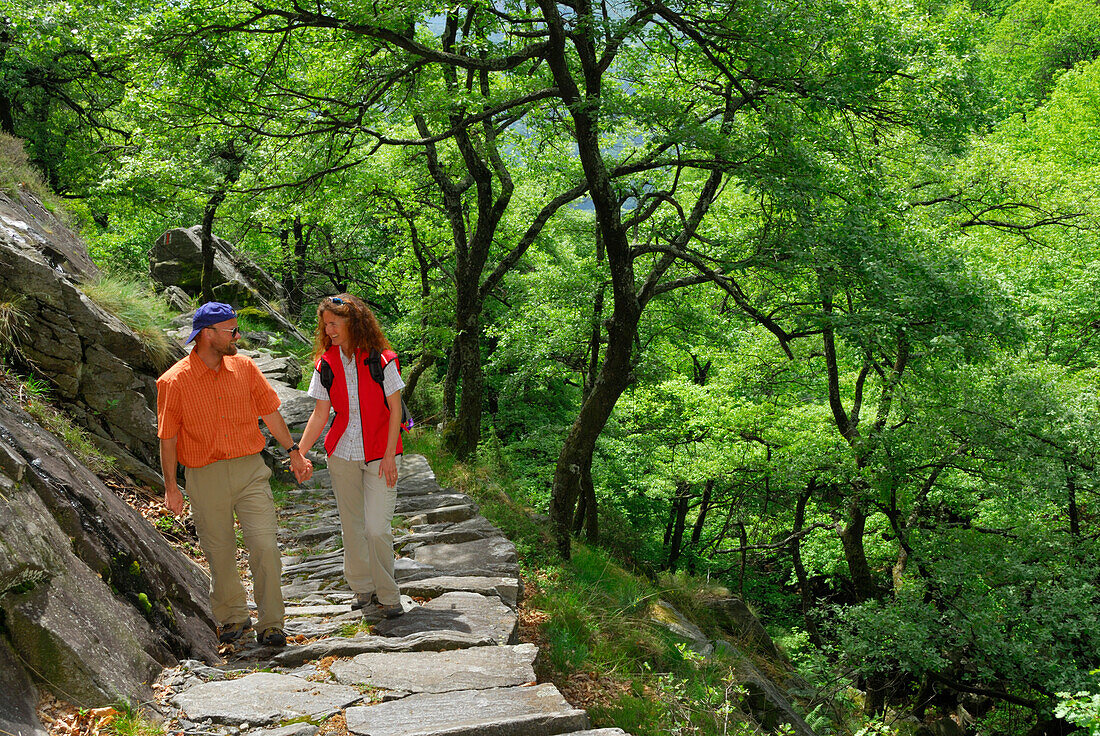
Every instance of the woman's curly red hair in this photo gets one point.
(364, 332)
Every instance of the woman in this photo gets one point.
(363, 443)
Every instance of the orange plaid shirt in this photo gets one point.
(213, 414)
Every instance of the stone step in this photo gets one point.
(507, 589)
(493, 556)
(263, 698)
(512, 711)
(339, 646)
(479, 668)
(471, 613)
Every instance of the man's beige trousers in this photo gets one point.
(217, 491)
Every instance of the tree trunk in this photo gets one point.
(7, 120)
(207, 241)
(427, 360)
(678, 521)
(851, 537)
(465, 433)
(1071, 492)
(294, 292)
(700, 520)
(804, 592)
(450, 383)
(614, 376)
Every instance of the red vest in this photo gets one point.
(372, 404)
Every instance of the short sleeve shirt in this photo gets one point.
(350, 444)
(214, 415)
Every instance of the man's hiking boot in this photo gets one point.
(273, 636)
(391, 611)
(364, 601)
(229, 633)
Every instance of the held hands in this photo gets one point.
(301, 466)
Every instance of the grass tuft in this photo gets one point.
(13, 325)
(140, 309)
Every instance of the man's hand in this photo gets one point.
(301, 466)
(173, 499)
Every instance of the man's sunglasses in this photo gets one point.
(235, 331)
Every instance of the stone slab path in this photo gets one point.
(450, 665)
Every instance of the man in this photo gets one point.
(207, 409)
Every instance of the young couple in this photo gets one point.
(207, 409)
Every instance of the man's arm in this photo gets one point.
(173, 499)
(299, 463)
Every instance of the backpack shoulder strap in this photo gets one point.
(326, 373)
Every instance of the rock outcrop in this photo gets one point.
(100, 371)
(93, 601)
(176, 260)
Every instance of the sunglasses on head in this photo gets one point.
(336, 300)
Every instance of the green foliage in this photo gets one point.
(130, 721)
(1081, 708)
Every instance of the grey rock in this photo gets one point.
(318, 533)
(599, 732)
(177, 299)
(86, 584)
(493, 556)
(767, 702)
(734, 617)
(507, 589)
(295, 405)
(263, 698)
(19, 701)
(282, 369)
(405, 568)
(477, 668)
(522, 711)
(469, 613)
(665, 614)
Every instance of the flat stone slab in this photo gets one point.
(406, 568)
(507, 589)
(469, 613)
(318, 610)
(263, 698)
(444, 514)
(512, 711)
(478, 668)
(493, 556)
(467, 530)
(339, 646)
(415, 504)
